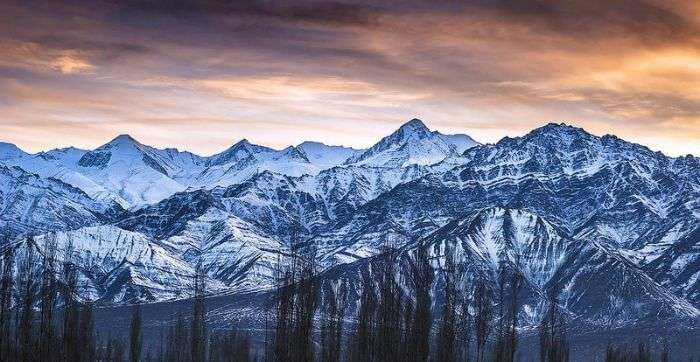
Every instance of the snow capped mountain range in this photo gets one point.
(610, 226)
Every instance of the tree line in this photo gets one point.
(43, 319)
(392, 320)
(399, 320)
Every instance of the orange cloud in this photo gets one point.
(349, 74)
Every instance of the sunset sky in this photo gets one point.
(203, 75)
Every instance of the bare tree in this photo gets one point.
(389, 318)
(482, 317)
(6, 285)
(464, 326)
(641, 354)
(334, 306)
(48, 298)
(516, 280)
(284, 313)
(665, 353)
(27, 281)
(305, 307)
(499, 350)
(553, 343)
(296, 302)
(422, 277)
(198, 329)
(364, 338)
(70, 306)
(135, 334)
(447, 333)
(231, 346)
(177, 342)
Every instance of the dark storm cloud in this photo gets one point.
(53, 41)
(598, 18)
(322, 12)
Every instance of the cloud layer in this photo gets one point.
(203, 74)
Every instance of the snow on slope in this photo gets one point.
(631, 210)
(245, 160)
(234, 252)
(9, 151)
(122, 266)
(324, 156)
(61, 164)
(30, 204)
(138, 174)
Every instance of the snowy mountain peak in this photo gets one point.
(9, 151)
(415, 124)
(414, 128)
(412, 144)
(239, 151)
(580, 210)
(244, 143)
(561, 131)
(325, 156)
(120, 141)
(292, 153)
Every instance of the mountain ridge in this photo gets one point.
(624, 213)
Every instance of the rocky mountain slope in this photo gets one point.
(610, 226)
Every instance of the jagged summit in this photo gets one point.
(121, 140)
(412, 144)
(414, 124)
(239, 151)
(559, 129)
(292, 153)
(413, 128)
(125, 137)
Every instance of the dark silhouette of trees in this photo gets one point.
(335, 303)
(642, 353)
(177, 342)
(284, 317)
(482, 317)
(296, 303)
(28, 291)
(6, 285)
(71, 310)
(511, 336)
(418, 343)
(198, 327)
(42, 317)
(554, 346)
(499, 351)
(390, 309)
(665, 353)
(47, 298)
(447, 333)
(366, 328)
(116, 350)
(509, 282)
(621, 354)
(43, 295)
(135, 334)
(231, 346)
(305, 308)
(463, 326)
